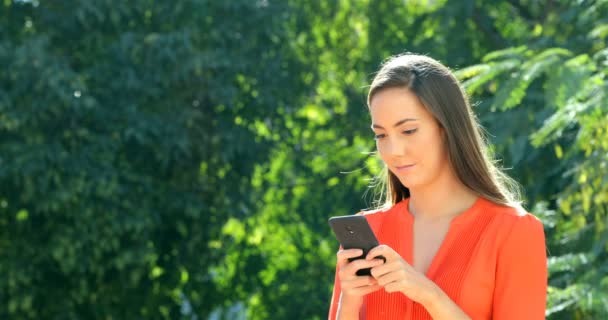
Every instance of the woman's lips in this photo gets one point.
(405, 168)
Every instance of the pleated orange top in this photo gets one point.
(492, 263)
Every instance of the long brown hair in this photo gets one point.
(443, 96)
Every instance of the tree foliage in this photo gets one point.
(164, 159)
(557, 84)
(119, 129)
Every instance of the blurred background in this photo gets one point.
(180, 159)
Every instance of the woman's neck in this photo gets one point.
(445, 198)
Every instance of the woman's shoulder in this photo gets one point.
(513, 213)
(380, 211)
(515, 221)
(377, 216)
(373, 216)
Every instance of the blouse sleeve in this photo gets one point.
(335, 298)
(521, 272)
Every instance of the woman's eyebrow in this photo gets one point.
(398, 123)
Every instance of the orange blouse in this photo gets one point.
(492, 263)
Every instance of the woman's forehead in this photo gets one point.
(391, 105)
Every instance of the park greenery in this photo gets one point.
(180, 159)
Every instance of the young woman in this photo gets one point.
(457, 243)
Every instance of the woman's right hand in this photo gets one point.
(354, 287)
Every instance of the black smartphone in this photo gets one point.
(353, 232)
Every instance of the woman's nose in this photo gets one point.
(395, 147)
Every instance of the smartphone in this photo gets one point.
(353, 232)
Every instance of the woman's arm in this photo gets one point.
(440, 306)
(396, 275)
(349, 308)
(521, 272)
(350, 289)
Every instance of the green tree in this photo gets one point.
(513, 97)
(164, 159)
(124, 148)
(555, 86)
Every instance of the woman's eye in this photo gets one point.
(379, 136)
(410, 131)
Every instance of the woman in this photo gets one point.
(457, 243)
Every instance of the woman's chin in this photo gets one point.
(406, 183)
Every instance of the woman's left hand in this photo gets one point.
(396, 275)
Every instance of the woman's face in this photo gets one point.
(408, 138)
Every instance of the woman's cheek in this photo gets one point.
(380, 147)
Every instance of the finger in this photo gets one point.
(388, 278)
(382, 250)
(385, 268)
(361, 291)
(358, 282)
(344, 255)
(351, 268)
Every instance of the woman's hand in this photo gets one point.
(353, 286)
(396, 275)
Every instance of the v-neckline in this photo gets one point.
(445, 243)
